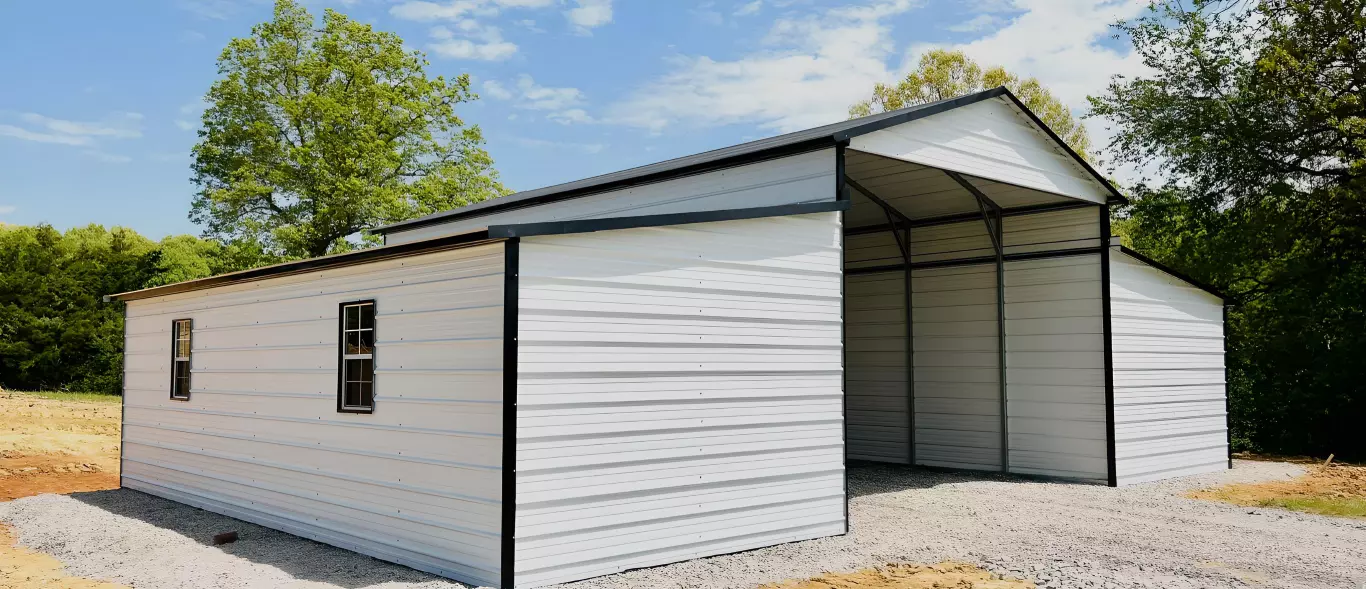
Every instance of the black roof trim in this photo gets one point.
(826, 136)
(1115, 196)
(449, 242)
(609, 224)
(1174, 273)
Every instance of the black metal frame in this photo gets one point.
(900, 228)
(961, 217)
(994, 219)
(175, 338)
(511, 269)
(636, 222)
(123, 394)
(1109, 349)
(341, 357)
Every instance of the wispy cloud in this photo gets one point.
(589, 148)
(44, 129)
(7, 209)
(811, 69)
(749, 8)
(560, 102)
(471, 39)
(976, 23)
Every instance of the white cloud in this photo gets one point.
(477, 41)
(7, 209)
(527, 94)
(422, 10)
(813, 68)
(497, 90)
(43, 129)
(976, 23)
(590, 14)
(749, 8)
(571, 116)
(589, 148)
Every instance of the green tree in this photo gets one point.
(1255, 114)
(56, 333)
(312, 135)
(946, 74)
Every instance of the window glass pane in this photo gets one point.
(367, 394)
(353, 342)
(180, 385)
(353, 317)
(352, 396)
(367, 316)
(367, 371)
(366, 339)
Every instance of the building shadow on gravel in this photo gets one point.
(874, 478)
(303, 559)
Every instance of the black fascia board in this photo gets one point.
(1174, 273)
(1115, 197)
(613, 223)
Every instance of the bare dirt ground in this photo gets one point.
(945, 575)
(57, 445)
(53, 446)
(1325, 488)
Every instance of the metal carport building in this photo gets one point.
(676, 360)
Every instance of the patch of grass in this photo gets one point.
(66, 396)
(1338, 506)
(1332, 489)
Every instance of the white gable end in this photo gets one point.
(989, 139)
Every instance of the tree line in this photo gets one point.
(1248, 129)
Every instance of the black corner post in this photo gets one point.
(1228, 416)
(900, 226)
(993, 216)
(1108, 343)
(511, 269)
(842, 196)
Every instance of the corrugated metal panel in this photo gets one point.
(922, 192)
(957, 379)
(875, 367)
(678, 394)
(1170, 417)
(416, 482)
(1055, 364)
(990, 140)
(802, 178)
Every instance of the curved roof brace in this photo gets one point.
(993, 217)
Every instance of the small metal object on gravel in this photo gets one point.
(1056, 534)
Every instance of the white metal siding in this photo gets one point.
(417, 482)
(875, 366)
(1170, 417)
(991, 140)
(957, 379)
(1055, 367)
(679, 394)
(801, 178)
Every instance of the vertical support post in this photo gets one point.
(511, 269)
(1108, 343)
(1228, 416)
(123, 391)
(903, 244)
(993, 216)
(842, 193)
(1001, 338)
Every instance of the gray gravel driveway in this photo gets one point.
(1060, 535)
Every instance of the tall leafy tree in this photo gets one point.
(315, 133)
(944, 74)
(1255, 115)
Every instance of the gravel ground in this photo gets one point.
(1059, 535)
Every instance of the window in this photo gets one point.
(356, 392)
(180, 359)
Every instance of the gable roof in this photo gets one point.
(762, 149)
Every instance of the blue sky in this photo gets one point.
(100, 100)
